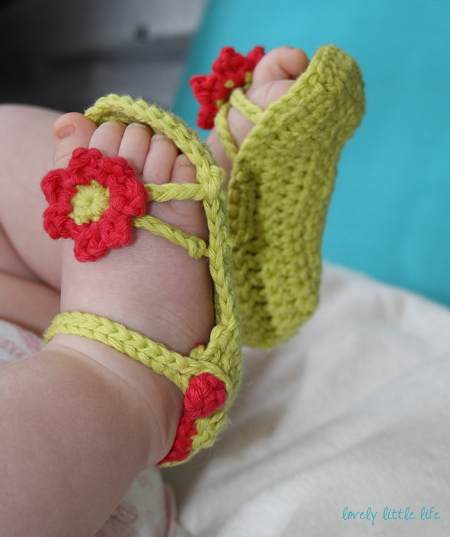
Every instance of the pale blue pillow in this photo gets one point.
(390, 214)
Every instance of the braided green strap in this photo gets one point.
(208, 387)
(250, 110)
(223, 132)
(175, 191)
(195, 246)
(174, 366)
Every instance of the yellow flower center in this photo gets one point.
(89, 203)
(248, 80)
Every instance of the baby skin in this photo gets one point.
(79, 408)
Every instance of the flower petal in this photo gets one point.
(89, 245)
(127, 198)
(229, 72)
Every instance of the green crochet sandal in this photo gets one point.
(281, 184)
(209, 376)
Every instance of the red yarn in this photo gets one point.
(211, 88)
(183, 441)
(127, 198)
(204, 395)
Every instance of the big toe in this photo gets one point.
(273, 77)
(69, 132)
(282, 63)
(275, 74)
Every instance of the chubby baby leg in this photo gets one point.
(30, 263)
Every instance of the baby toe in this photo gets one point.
(282, 63)
(189, 216)
(265, 94)
(160, 160)
(273, 77)
(183, 170)
(135, 145)
(275, 74)
(69, 132)
(107, 138)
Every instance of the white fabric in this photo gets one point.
(17, 343)
(352, 413)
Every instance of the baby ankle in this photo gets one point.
(157, 399)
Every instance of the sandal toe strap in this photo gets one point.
(195, 246)
(249, 109)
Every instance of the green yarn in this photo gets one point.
(280, 188)
(222, 356)
(89, 203)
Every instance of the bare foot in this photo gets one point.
(273, 77)
(151, 286)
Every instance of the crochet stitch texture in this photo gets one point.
(231, 70)
(93, 202)
(209, 377)
(280, 188)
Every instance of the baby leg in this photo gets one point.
(25, 157)
(30, 262)
(95, 414)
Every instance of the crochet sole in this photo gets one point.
(281, 185)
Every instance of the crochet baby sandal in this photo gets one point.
(210, 375)
(280, 188)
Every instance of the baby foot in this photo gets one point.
(151, 286)
(274, 75)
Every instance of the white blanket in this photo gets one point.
(345, 430)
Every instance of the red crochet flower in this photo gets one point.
(204, 395)
(231, 70)
(93, 201)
